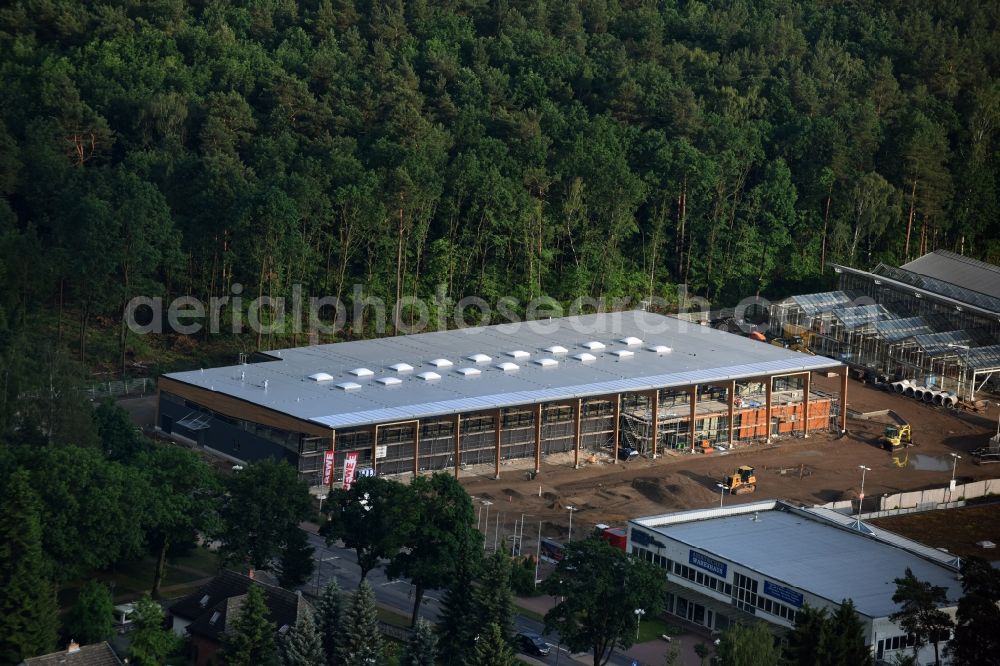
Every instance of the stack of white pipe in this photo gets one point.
(899, 387)
(930, 395)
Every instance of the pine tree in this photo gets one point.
(28, 613)
(421, 648)
(303, 646)
(92, 618)
(363, 640)
(250, 635)
(978, 616)
(459, 623)
(846, 645)
(296, 562)
(151, 643)
(493, 598)
(330, 611)
(808, 638)
(492, 650)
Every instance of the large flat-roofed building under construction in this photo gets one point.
(934, 320)
(481, 396)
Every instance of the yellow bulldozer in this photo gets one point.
(741, 482)
(896, 437)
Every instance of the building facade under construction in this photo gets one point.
(482, 396)
(935, 322)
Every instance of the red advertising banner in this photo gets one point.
(350, 464)
(328, 468)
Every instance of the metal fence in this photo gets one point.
(119, 389)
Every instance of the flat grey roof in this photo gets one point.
(961, 271)
(698, 355)
(813, 555)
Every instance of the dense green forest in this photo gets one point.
(506, 148)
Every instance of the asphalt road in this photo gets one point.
(341, 563)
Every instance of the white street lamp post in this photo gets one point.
(321, 498)
(861, 497)
(571, 510)
(722, 493)
(639, 612)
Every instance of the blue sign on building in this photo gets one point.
(782, 593)
(707, 563)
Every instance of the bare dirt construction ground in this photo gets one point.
(957, 530)
(816, 470)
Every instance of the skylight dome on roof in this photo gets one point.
(469, 372)
(660, 349)
(507, 366)
(349, 386)
(556, 349)
(389, 381)
(429, 376)
(631, 341)
(321, 377)
(362, 372)
(546, 362)
(593, 344)
(401, 367)
(479, 358)
(623, 353)
(518, 353)
(441, 363)
(585, 357)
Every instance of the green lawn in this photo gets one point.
(653, 628)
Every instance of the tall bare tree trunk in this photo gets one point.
(909, 219)
(826, 222)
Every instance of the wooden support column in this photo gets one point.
(497, 420)
(333, 469)
(805, 405)
(694, 406)
(654, 397)
(769, 386)
(416, 449)
(617, 415)
(843, 399)
(538, 438)
(731, 403)
(576, 432)
(458, 447)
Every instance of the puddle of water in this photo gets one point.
(930, 463)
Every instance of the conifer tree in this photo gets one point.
(492, 650)
(493, 597)
(846, 645)
(808, 638)
(28, 613)
(977, 640)
(421, 648)
(93, 615)
(303, 646)
(459, 622)
(363, 644)
(250, 635)
(330, 620)
(151, 643)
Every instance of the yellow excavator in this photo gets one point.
(896, 437)
(741, 482)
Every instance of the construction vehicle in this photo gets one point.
(741, 482)
(989, 453)
(794, 342)
(896, 436)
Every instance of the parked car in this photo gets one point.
(533, 644)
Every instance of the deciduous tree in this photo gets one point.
(602, 587)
